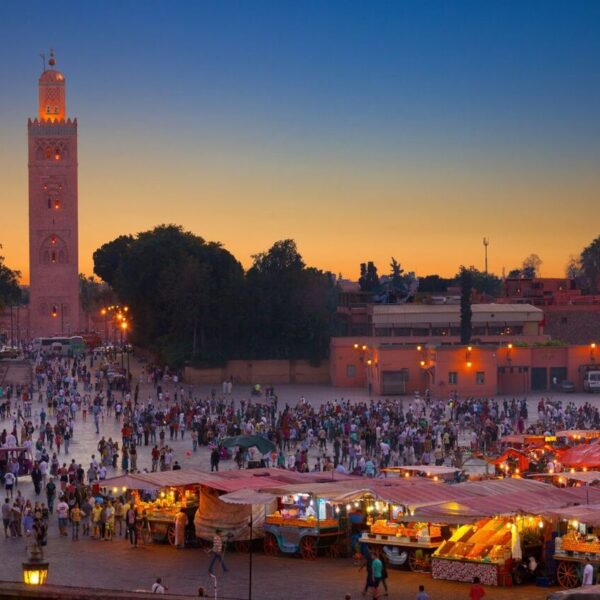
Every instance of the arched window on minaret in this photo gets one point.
(54, 251)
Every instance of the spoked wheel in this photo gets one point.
(270, 545)
(308, 547)
(413, 563)
(567, 574)
(171, 535)
(242, 546)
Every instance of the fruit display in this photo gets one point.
(487, 541)
(412, 531)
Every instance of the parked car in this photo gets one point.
(566, 386)
(9, 352)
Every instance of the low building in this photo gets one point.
(476, 370)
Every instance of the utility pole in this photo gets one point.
(486, 243)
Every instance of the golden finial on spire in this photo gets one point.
(51, 62)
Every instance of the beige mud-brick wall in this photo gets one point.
(264, 372)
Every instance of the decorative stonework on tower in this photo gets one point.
(53, 222)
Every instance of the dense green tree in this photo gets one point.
(484, 283)
(369, 279)
(466, 313)
(529, 269)
(590, 265)
(10, 292)
(433, 284)
(183, 291)
(573, 267)
(290, 308)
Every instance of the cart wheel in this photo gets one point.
(270, 545)
(171, 535)
(413, 563)
(242, 546)
(308, 547)
(567, 574)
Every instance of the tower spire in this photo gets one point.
(52, 62)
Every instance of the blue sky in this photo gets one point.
(414, 127)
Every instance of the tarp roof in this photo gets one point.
(248, 497)
(579, 433)
(584, 455)
(585, 476)
(531, 502)
(131, 482)
(428, 469)
(584, 513)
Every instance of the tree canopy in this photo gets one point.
(191, 300)
(590, 265)
(484, 283)
(10, 292)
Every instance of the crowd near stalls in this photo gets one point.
(378, 478)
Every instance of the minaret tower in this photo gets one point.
(53, 224)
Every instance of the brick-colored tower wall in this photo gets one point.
(53, 227)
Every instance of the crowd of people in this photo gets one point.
(160, 421)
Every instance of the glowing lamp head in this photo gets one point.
(469, 364)
(469, 348)
(35, 568)
(356, 346)
(510, 346)
(369, 362)
(419, 348)
(422, 363)
(364, 346)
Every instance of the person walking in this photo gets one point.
(9, 482)
(6, 510)
(75, 514)
(158, 587)
(588, 573)
(62, 510)
(131, 522)
(50, 494)
(181, 521)
(476, 592)
(422, 594)
(36, 478)
(217, 552)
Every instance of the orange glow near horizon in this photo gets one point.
(339, 211)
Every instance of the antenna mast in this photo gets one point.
(486, 243)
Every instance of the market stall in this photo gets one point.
(483, 550)
(159, 498)
(578, 539)
(302, 524)
(406, 543)
(308, 520)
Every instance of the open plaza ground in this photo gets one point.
(115, 565)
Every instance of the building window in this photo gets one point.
(480, 377)
(47, 110)
(453, 378)
(350, 371)
(563, 320)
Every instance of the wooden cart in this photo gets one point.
(304, 537)
(569, 568)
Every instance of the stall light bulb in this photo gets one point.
(337, 509)
(115, 490)
(348, 507)
(356, 504)
(541, 525)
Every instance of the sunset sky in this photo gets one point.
(363, 130)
